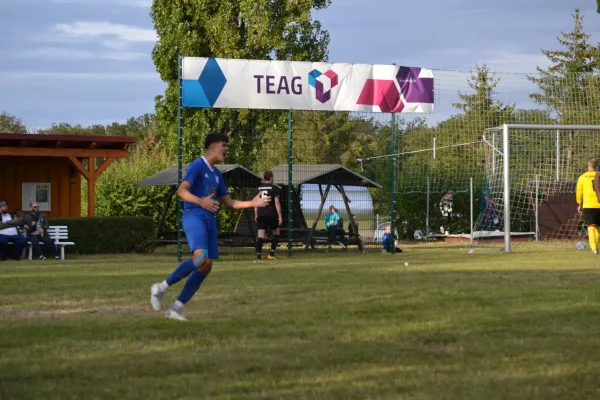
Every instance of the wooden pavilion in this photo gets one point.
(46, 169)
(325, 176)
(235, 176)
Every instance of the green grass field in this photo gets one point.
(450, 325)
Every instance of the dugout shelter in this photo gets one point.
(47, 169)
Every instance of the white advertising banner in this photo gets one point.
(285, 85)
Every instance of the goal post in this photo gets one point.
(539, 151)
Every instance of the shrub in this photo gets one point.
(105, 235)
(116, 194)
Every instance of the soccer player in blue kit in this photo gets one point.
(200, 188)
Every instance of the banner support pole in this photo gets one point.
(179, 160)
(290, 181)
(393, 200)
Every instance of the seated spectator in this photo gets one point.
(10, 234)
(36, 225)
(334, 229)
(351, 233)
(20, 227)
(388, 241)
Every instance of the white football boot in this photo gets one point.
(156, 295)
(172, 313)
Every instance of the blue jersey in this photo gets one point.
(386, 240)
(205, 181)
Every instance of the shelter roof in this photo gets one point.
(320, 174)
(234, 175)
(17, 144)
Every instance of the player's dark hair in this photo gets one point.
(215, 137)
(268, 175)
(593, 162)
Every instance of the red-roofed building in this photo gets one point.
(47, 169)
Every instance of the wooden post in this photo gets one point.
(346, 203)
(165, 210)
(312, 231)
(91, 187)
(91, 175)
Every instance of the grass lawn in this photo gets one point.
(450, 325)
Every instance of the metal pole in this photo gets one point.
(393, 200)
(537, 208)
(290, 176)
(179, 160)
(551, 127)
(427, 212)
(434, 142)
(493, 152)
(471, 201)
(506, 164)
(557, 155)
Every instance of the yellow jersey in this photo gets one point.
(585, 190)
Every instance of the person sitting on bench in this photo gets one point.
(334, 229)
(36, 226)
(10, 234)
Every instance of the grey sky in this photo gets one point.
(88, 61)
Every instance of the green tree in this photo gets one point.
(116, 194)
(480, 109)
(319, 138)
(249, 29)
(64, 128)
(11, 124)
(569, 87)
(136, 126)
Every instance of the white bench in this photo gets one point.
(60, 235)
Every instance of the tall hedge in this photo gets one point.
(106, 235)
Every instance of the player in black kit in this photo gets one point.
(268, 217)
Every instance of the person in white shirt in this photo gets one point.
(10, 234)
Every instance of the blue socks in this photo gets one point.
(183, 270)
(191, 286)
(187, 268)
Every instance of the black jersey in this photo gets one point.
(268, 190)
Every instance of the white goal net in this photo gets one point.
(532, 196)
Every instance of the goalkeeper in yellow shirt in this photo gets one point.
(587, 200)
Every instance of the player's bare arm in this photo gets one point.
(278, 207)
(256, 202)
(205, 202)
(579, 195)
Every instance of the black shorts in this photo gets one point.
(591, 216)
(267, 222)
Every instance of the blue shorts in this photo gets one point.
(201, 231)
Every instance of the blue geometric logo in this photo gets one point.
(204, 91)
(312, 77)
